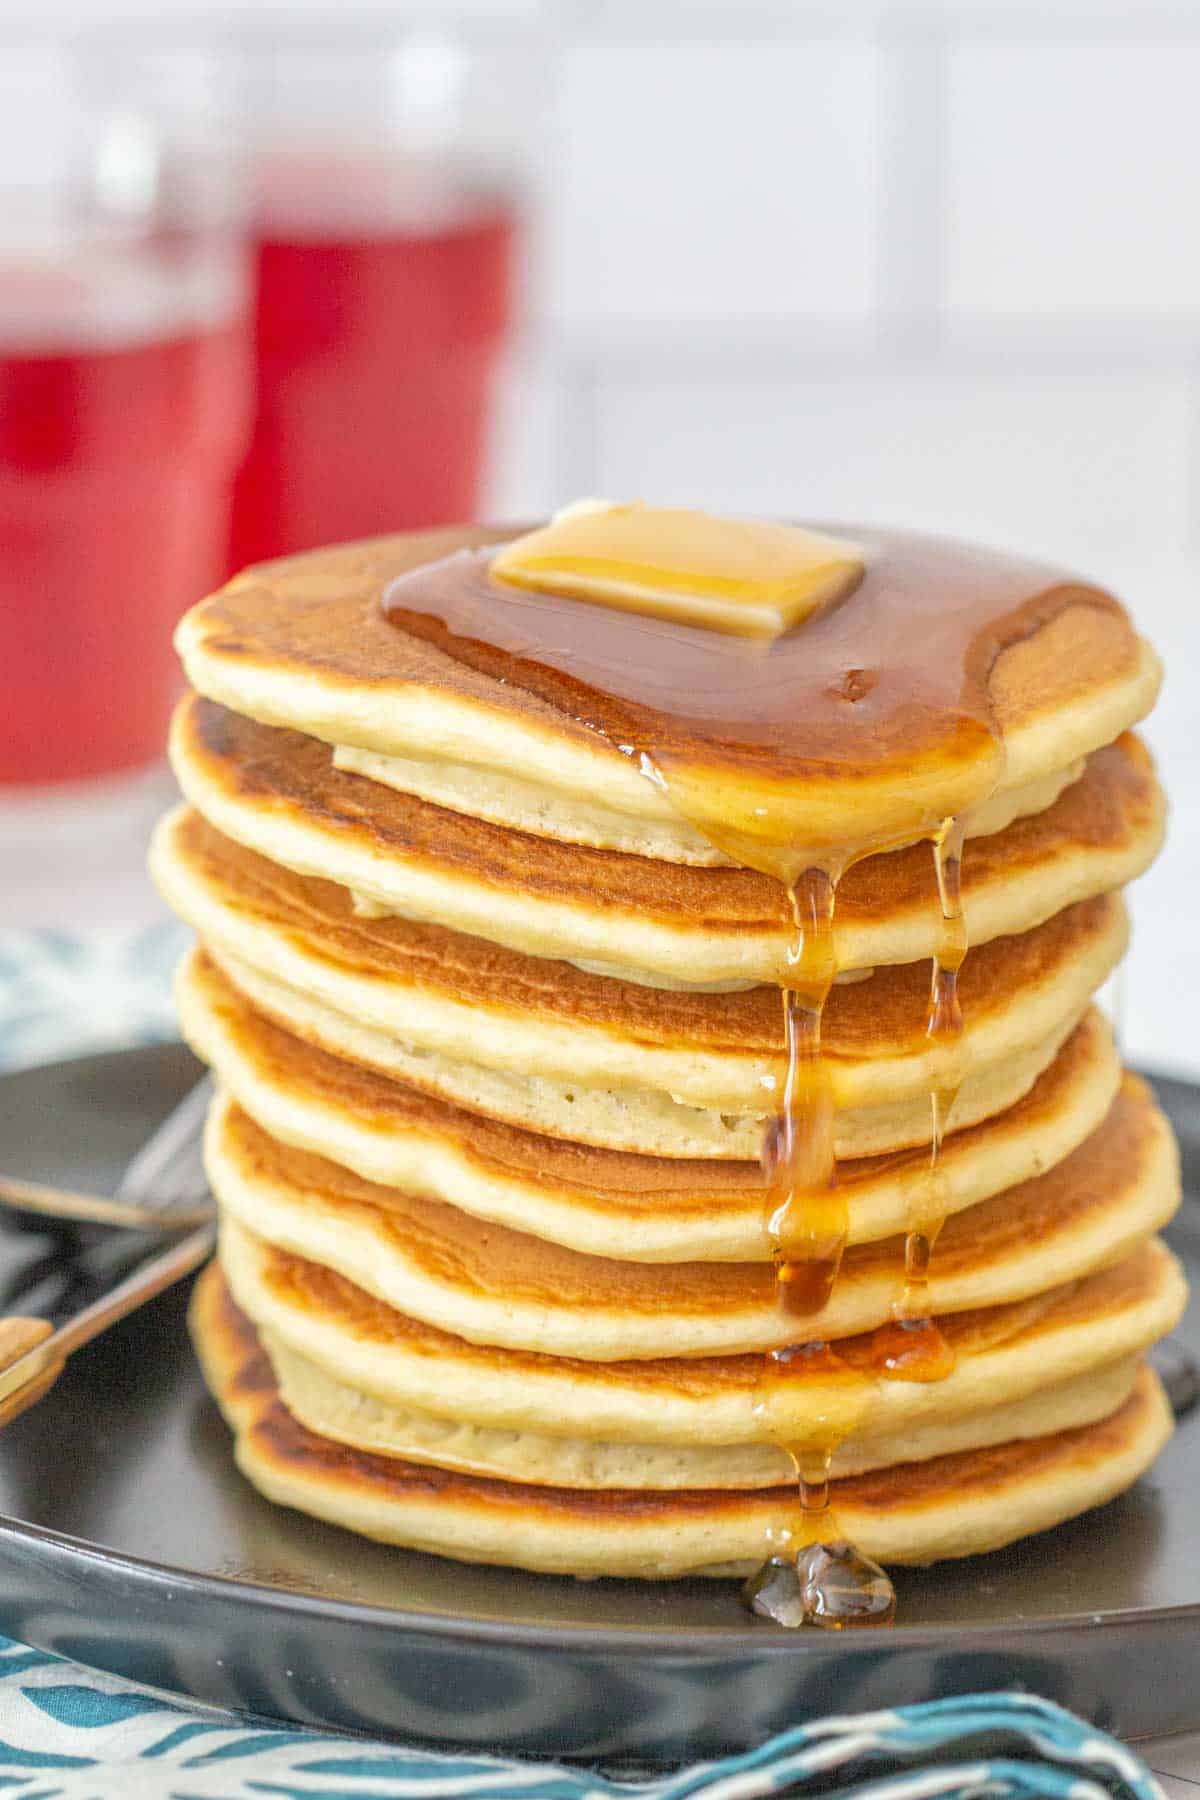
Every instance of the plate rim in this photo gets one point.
(700, 1638)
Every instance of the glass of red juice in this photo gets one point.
(124, 407)
(384, 266)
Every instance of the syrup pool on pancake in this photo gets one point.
(743, 667)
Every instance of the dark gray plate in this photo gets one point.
(129, 1542)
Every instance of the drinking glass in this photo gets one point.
(384, 254)
(124, 393)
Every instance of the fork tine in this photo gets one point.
(186, 1180)
(169, 1169)
(164, 1188)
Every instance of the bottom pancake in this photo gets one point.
(955, 1505)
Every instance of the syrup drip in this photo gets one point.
(820, 1579)
(833, 1585)
(810, 1400)
(806, 1210)
(913, 1347)
(945, 1011)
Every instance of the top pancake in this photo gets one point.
(304, 643)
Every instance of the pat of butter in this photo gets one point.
(733, 575)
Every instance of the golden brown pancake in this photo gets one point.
(917, 1512)
(497, 1286)
(1004, 1354)
(529, 806)
(611, 1202)
(349, 1416)
(279, 794)
(896, 1113)
(303, 642)
(224, 1020)
(439, 991)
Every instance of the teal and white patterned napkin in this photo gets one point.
(69, 1733)
(64, 995)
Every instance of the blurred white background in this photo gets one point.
(932, 264)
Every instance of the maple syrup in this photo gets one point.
(789, 1587)
(830, 1584)
(774, 749)
(806, 1211)
(913, 1347)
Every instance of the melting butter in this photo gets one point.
(747, 578)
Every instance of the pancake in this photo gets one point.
(438, 999)
(278, 793)
(304, 1091)
(643, 1208)
(542, 811)
(348, 1416)
(496, 1286)
(594, 1118)
(1023, 999)
(645, 1424)
(303, 642)
(913, 1513)
(237, 1040)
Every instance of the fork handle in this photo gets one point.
(97, 1209)
(18, 1336)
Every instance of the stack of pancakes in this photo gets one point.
(498, 1035)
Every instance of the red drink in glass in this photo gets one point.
(123, 408)
(383, 300)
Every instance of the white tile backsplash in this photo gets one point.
(1071, 178)
(704, 181)
(1070, 466)
(528, 426)
(1162, 974)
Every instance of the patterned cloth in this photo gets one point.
(62, 995)
(69, 1733)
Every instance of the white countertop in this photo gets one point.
(1176, 1762)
